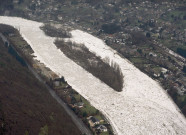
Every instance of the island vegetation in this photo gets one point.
(53, 31)
(110, 74)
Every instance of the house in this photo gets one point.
(15, 1)
(156, 75)
(164, 70)
(79, 104)
(152, 54)
(59, 17)
(68, 86)
(93, 121)
(56, 83)
(101, 128)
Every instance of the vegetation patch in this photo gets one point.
(111, 75)
(181, 52)
(44, 130)
(52, 31)
(111, 28)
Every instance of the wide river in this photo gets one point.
(142, 108)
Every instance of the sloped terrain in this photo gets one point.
(26, 107)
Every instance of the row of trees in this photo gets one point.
(108, 72)
(14, 53)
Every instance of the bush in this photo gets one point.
(181, 52)
(13, 52)
(138, 38)
(110, 28)
(184, 69)
(54, 32)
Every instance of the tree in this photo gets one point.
(148, 35)
(184, 69)
(97, 112)
(85, 114)
(184, 110)
(181, 52)
(184, 17)
(13, 52)
(20, 1)
(139, 50)
(73, 100)
(138, 37)
(111, 28)
(6, 44)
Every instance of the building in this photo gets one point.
(79, 104)
(15, 1)
(56, 83)
(93, 121)
(152, 54)
(101, 128)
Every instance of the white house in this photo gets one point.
(101, 128)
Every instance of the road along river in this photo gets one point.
(142, 107)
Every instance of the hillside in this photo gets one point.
(26, 107)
